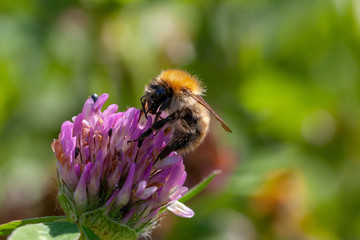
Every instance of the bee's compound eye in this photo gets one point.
(160, 91)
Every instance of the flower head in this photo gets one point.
(100, 167)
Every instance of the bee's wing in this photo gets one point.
(200, 100)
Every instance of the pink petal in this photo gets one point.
(181, 210)
(80, 194)
(100, 102)
(167, 162)
(125, 192)
(147, 192)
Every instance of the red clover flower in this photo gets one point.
(100, 170)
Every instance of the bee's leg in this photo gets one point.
(181, 139)
(187, 135)
(164, 152)
(177, 143)
(155, 126)
(143, 106)
(162, 107)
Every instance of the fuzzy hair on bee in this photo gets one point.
(178, 94)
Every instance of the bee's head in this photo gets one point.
(155, 95)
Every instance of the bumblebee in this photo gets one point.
(178, 94)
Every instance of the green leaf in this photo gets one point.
(89, 234)
(7, 228)
(47, 231)
(199, 187)
(106, 228)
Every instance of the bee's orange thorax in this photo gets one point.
(179, 80)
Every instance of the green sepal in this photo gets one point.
(88, 233)
(7, 228)
(105, 228)
(67, 205)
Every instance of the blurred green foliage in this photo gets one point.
(283, 73)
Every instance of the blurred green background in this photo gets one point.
(284, 74)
